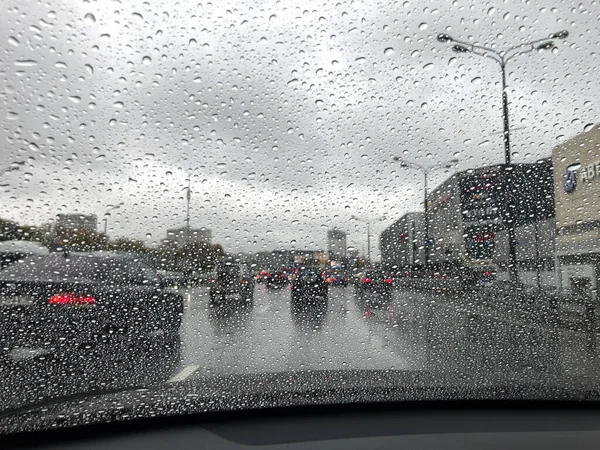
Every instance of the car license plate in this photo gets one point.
(16, 300)
(232, 296)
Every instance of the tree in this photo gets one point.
(79, 240)
(8, 230)
(195, 256)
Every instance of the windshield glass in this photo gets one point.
(435, 165)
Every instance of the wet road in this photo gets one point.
(269, 338)
(415, 331)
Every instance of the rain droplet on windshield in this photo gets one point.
(89, 18)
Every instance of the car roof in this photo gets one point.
(64, 266)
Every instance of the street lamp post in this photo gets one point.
(502, 57)
(368, 222)
(188, 196)
(107, 213)
(425, 171)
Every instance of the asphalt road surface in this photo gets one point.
(416, 331)
(269, 338)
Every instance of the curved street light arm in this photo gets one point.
(511, 56)
(526, 44)
(416, 166)
(494, 56)
(503, 56)
(479, 47)
(483, 51)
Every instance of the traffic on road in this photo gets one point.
(70, 324)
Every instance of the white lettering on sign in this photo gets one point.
(589, 172)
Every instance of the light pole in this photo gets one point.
(502, 57)
(425, 171)
(109, 208)
(368, 222)
(187, 217)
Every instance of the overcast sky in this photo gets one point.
(286, 115)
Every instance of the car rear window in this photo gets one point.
(309, 273)
(375, 275)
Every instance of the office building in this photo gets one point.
(88, 222)
(402, 243)
(577, 195)
(184, 236)
(471, 212)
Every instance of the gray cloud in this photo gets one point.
(286, 116)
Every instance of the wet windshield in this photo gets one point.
(171, 171)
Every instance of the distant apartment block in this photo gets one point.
(78, 222)
(184, 236)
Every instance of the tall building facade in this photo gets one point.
(577, 195)
(87, 222)
(471, 212)
(402, 243)
(184, 235)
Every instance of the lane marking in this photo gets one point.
(24, 353)
(264, 309)
(185, 372)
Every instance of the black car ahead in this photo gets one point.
(337, 277)
(277, 279)
(374, 288)
(309, 287)
(231, 283)
(62, 303)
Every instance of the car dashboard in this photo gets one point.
(431, 426)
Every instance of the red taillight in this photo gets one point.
(71, 298)
(388, 280)
(345, 279)
(282, 276)
(366, 280)
(487, 273)
(244, 281)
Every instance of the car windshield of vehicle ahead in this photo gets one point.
(218, 191)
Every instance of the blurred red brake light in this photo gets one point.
(366, 280)
(388, 280)
(71, 298)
